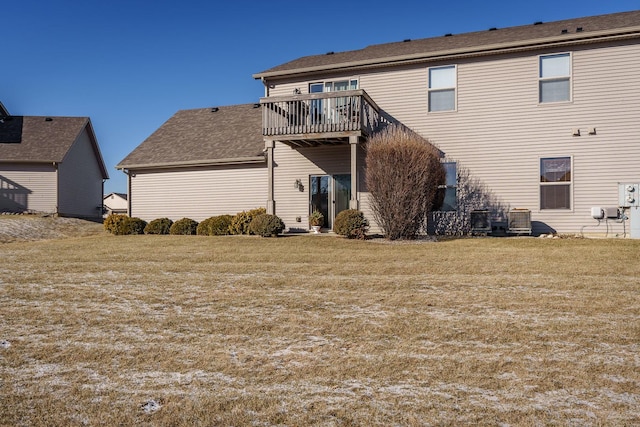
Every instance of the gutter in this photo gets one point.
(491, 49)
(173, 165)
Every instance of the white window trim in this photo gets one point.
(332, 81)
(571, 186)
(455, 89)
(541, 79)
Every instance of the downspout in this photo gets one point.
(102, 200)
(57, 208)
(126, 171)
(266, 87)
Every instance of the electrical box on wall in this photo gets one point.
(628, 195)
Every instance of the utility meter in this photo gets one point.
(628, 195)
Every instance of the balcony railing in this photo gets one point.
(331, 113)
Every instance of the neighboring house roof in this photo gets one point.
(205, 136)
(3, 110)
(493, 41)
(34, 139)
(121, 195)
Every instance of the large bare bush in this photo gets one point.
(402, 175)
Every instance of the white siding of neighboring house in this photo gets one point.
(28, 187)
(500, 131)
(80, 181)
(114, 203)
(197, 193)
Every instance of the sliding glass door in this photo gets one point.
(329, 194)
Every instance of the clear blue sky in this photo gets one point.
(131, 64)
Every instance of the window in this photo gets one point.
(329, 110)
(333, 86)
(555, 183)
(555, 78)
(442, 88)
(450, 188)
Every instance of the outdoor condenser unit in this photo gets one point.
(519, 221)
(480, 221)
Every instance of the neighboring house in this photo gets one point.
(544, 116)
(50, 165)
(199, 163)
(115, 203)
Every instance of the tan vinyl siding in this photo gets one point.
(301, 163)
(28, 187)
(80, 183)
(197, 193)
(500, 130)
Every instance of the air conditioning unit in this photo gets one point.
(519, 221)
(480, 221)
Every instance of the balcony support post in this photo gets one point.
(271, 203)
(353, 143)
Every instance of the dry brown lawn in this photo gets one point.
(317, 330)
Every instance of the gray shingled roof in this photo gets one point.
(202, 136)
(481, 42)
(33, 139)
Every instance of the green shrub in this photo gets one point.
(122, 224)
(240, 222)
(134, 226)
(158, 226)
(203, 229)
(266, 225)
(184, 226)
(220, 225)
(215, 226)
(352, 224)
(114, 223)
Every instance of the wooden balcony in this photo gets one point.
(320, 118)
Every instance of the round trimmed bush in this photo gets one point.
(215, 226)
(266, 225)
(203, 229)
(158, 226)
(220, 225)
(134, 226)
(122, 224)
(240, 222)
(114, 223)
(184, 226)
(352, 224)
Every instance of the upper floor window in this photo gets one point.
(555, 183)
(442, 88)
(555, 78)
(333, 86)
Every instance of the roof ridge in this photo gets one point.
(577, 29)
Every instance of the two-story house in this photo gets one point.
(545, 117)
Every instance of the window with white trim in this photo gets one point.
(555, 183)
(442, 88)
(555, 78)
